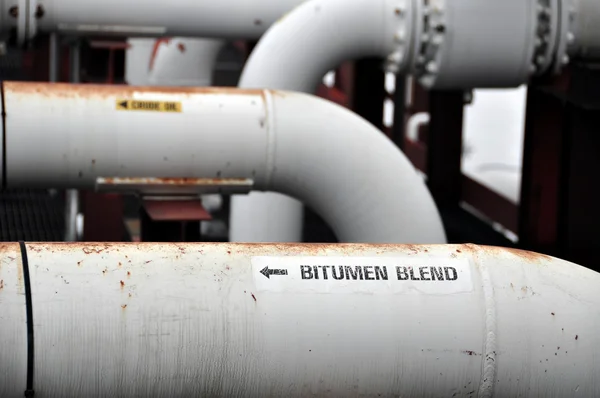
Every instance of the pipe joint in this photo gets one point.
(403, 36)
(432, 35)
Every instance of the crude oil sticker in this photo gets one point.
(373, 275)
(148, 106)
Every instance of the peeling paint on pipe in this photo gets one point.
(68, 136)
(230, 320)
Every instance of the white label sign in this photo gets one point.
(370, 275)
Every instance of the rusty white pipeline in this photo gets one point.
(249, 320)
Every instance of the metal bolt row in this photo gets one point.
(432, 38)
(543, 36)
(401, 36)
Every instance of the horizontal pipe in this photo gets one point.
(232, 320)
(233, 19)
(295, 53)
(69, 136)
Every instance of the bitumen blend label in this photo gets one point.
(361, 274)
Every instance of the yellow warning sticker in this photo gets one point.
(148, 106)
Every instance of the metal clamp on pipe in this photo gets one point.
(158, 186)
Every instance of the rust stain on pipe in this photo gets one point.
(279, 248)
(524, 255)
(174, 181)
(67, 90)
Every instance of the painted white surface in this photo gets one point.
(232, 19)
(160, 320)
(333, 160)
(295, 54)
(13, 323)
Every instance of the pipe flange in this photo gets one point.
(404, 15)
(432, 37)
(566, 37)
(546, 35)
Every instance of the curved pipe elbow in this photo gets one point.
(350, 173)
(316, 37)
(340, 165)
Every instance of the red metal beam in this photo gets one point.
(176, 210)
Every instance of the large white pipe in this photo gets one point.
(68, 136)
(233, 19)
(318, 35)
(185, 62)
(294, 55)
(188, 62)
(191, 320)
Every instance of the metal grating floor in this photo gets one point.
(31, 215)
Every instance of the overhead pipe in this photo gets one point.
(435, 42)
(280, 141)
(254, 320)
(226, 19)
(189, 62)
(560, 28)
(302, 47)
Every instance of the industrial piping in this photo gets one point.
(225, 19)
(294, 55)
(235, 320)
(436, 42)
(296, 144)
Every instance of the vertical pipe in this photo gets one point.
(54, 58)
(72, 195)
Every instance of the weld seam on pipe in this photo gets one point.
(271, 130)
(29, 392)
(488, 374)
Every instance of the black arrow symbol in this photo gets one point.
(123, 104)
(268, 272)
